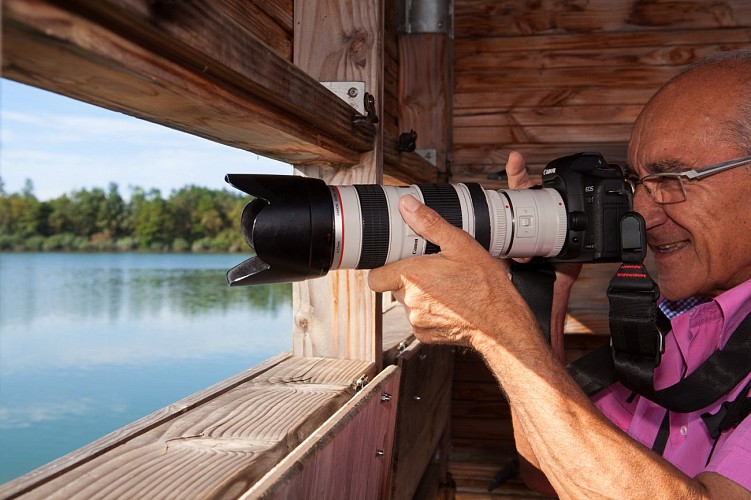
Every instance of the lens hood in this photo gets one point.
(289, 226)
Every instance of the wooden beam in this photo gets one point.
(341, 40)
(192, 66)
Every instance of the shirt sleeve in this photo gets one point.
(732, 455)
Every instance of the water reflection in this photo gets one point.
(91, 342)
(38, 285)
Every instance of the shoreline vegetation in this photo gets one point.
(191, 219)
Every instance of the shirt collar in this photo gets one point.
(673, 309)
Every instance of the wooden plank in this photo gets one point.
(425, 85)
(281, 11)
(424, 409)
(547, 116)
(647, 40)
(492, 158)
(553, 96)
(502, 78)
(474, 18)
(218, 445)
(200, 75)
(341, 40)
(540, 134)
(263, 20)
(348, 456)
(667, 55)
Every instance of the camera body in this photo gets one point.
(300, 228)
(596, 198)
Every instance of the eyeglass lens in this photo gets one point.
(664, 189)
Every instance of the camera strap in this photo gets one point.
(534, 282)
(638, 328)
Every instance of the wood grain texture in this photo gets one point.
(347, 457)
(425, 88)
(183, 66)
(665, 43)
(217, 447)
(423, 415)
(551, 78)
(341, 40)
(475, 18)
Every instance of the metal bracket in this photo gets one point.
(350, 92)
(429, 155)
(426, 16)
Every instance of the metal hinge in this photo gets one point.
(360, 383)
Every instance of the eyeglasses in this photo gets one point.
(668, 187)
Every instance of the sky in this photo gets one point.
(64, 145)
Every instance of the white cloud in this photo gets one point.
(23, 417)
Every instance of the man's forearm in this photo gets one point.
(580, 452)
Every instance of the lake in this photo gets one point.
(92, 342)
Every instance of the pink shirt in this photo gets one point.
(696, 334)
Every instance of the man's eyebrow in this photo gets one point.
(666, 166)
(655, 167)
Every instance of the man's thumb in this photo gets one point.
(431, 226)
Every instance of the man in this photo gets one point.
(701, 242)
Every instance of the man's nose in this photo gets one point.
(653, 212)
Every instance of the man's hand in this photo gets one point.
(450, 296)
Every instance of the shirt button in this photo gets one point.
(684, 430)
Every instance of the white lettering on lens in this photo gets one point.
(548, 171)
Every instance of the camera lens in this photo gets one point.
(370, 232)
(301, 228)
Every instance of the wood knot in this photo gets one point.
(360, 44)
(303, 324)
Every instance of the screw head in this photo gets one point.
(352, 92)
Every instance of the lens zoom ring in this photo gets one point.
(482, 214)
(444, 199)
(375, 226)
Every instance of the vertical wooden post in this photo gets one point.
(426, 94)
(341, 40)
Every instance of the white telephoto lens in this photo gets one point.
(528, 223)
(369, 230)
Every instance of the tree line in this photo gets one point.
(192, 218)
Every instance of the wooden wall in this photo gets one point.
(550, 78)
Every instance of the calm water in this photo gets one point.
(91, 342)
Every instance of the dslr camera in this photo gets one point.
(301, 228)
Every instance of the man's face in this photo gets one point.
(701, 246)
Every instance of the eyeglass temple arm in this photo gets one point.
(715, 169)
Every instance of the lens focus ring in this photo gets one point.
(375, 226)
